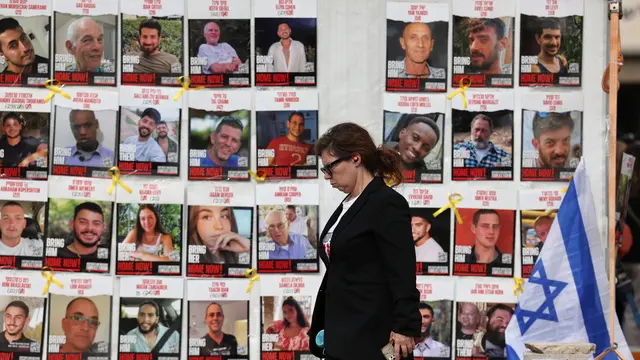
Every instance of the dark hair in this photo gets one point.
(499, 307)
(140, 230)
(425, 120)
(484, 118)
(150, 23)
(162, 123)
(548, 23)
(229, 121)
(300, 318)
(11, 203)
(543, 122)
(152, 113)
(426, 306)
(348, 139)
(292, 207)
(91, 206)
(18, 304)
(152, 303)
(8, 24)
(298, 113)
(12, 115)
(75, 111)
(222, 256)
(475, 25)
(477, 214)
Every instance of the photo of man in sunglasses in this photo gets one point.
(80, 325)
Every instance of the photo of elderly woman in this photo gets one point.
(287, 321)
(149, 233)
(219, 235)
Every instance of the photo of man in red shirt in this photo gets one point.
(290, 150)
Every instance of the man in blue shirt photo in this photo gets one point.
(288, 246)
(224, 144)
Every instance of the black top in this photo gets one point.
(562, 71)
(369, 287)
(22, 344)
(11, 156)
(66, 253)
(228, 346)
(34, 68)
(471, 258)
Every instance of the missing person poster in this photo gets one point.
(551, 43)
(220, 43)
(149, 131)
(414, 127)
(152, 42)
(218, 313)
(417, 46)
(286, 300)
(538, 210)
(220, 135)
(431, 234)
(24, 310)
(150, 320)
(287, 130)
(482, 136)
(484, 308)
(84, 43)
(483, 32)
(80, 318)
(551, 135)
(220, 229)
(484, 242)
(436, 313)
(85, 132)
(23, 213)
(285, 42)
(27, 24)
(79, 225)
(24, 135)
(287, 228)
(149, 228)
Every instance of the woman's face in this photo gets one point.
(147, 220)
(211, 221)
(343, 173)
(289, 313)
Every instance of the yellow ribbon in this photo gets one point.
(185, 83)
(47, 273)
(53, 87)
(252, 275)
(259, 178)
(115, 179)
(461, 90)
(518, 286)
(454, 199)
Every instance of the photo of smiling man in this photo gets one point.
(23, 318)
(24, 46)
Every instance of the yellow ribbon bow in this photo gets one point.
(47, 273)
(115, 179)
(53, 87)
(454, 199)
(252, 275)
(461, 90)
(259, 178)
(185, 83)
(518, 286)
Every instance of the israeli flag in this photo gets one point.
(566, 299)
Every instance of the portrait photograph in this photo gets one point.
(29, 64)
(219, 328)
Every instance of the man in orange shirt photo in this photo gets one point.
(290, 150)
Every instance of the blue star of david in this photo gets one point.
(547, 310)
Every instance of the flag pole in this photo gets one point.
(615, 61)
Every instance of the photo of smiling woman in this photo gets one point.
(292, 329)
(216, 229)
(152, 242)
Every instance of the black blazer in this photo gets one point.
(369, 288)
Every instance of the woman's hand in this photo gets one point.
(230, 242)
(402, 345)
